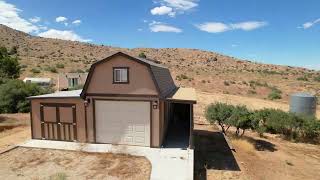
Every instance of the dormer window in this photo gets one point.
(120, 75)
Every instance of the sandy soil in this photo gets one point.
(254, 158)
(14, 136)
(31, 163)
(14, 129)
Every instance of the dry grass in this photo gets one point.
(243, 144)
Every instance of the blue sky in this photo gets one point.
(269, 31)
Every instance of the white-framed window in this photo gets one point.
(72, 82)
(120, 75)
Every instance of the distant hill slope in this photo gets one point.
(204, 70)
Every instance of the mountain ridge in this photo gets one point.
(204, 70)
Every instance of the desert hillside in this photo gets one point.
(206, 71)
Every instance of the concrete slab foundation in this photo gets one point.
(171, 163)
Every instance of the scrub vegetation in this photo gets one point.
(13, 92)
(291, 126)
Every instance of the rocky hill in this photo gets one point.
(203, 70)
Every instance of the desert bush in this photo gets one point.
(13, 94)
(240, 118)
(35, 71)
(275, 94)
(226, 83)
(58, 176)
(220, 113)
(60, 65)
(51, 69)
(317, 78)
(302, 78)
(142, 55)
(9, 65)
(181, 76)
(311, 130)
(291, 126)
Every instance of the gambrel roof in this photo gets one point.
(160, 74)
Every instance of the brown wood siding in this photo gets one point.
(78, 114)
(140, 79)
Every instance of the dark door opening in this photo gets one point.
(178, 132)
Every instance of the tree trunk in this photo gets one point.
(243, 132)
(222, 128)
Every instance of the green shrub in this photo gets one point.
(181, 76)
(13, 95)
(60, 65)
(142, 55)
(303, 78)
(317, 78)
(311, 129)
(290, 125)
(9, 66)
(220, 113)
(35, 71)
(58, 176)
(275, 94)
(240, 118)
(51, 69)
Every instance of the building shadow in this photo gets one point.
(212, 151)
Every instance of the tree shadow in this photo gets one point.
(262, 145)
(212, 152)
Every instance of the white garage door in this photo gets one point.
(123, 122)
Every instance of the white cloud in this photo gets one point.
(249, 25)
(64, 35)
(78, 21)
(61, 19)
(172, 7)
(162, 27)
(218, 27)
(162, 10)
(213, 27)
(66, 24)
(308, 25)
(181, 5)
(35, 19)
(139, 29)
(43, 27)
(9, 16)
(234, 45)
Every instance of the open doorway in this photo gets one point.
(178, 132)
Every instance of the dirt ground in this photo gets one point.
(268, 158)
(31, 163)
(14, 129)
